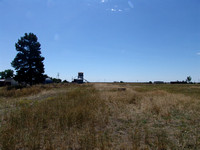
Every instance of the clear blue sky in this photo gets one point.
(108, 40)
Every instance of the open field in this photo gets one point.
(100, 116)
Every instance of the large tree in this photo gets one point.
(28, 62)
(6, 74)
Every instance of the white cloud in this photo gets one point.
(130, 4)
(114, 10)
(198, 53)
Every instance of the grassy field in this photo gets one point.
(100, 116)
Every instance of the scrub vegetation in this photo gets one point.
(100, 116)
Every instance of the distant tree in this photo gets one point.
(55, 80)
(65, 81)
(189, 78)
(46, 76)
(28, 62)
(6, 74)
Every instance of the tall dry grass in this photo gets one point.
(103, 116)
(155, 119)
(68, 121)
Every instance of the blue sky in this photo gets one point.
(108, 40)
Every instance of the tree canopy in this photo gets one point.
(189, 78)
(6, 74)
(28, 62)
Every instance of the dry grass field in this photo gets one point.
(100, 116)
